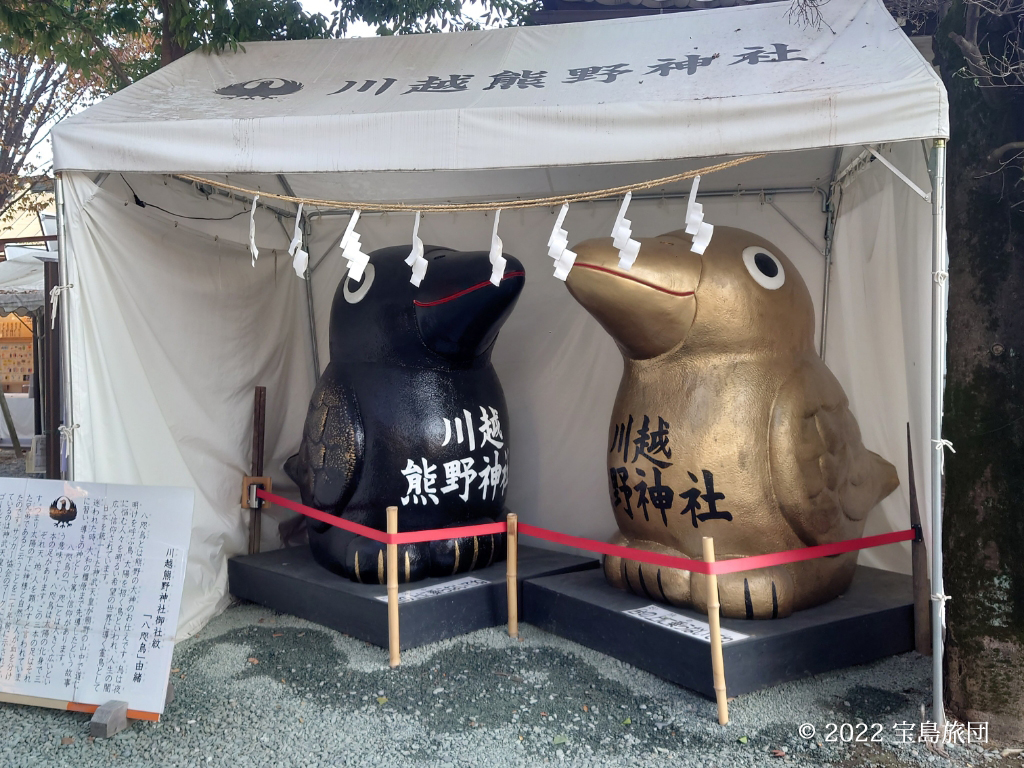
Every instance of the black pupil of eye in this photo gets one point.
(766, 264)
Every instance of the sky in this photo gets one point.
(326, 7)
(361, 29)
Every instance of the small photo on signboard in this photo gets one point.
(90, 585)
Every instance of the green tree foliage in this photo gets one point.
(78, 35)
(218, 24)
(409, 16)
(85, 35)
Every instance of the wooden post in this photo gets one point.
(717, 661)
(51, 381)
(919, 568)
(512, 573)
(259, 420)
(392, 566)
(10, 424)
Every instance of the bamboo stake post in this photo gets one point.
(919, 567)
(259, 414)
(717, 660)
(512, 573)
(392, 567)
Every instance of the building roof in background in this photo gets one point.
(27, 223)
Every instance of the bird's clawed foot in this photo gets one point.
(767, 593)
(364, 560)
(666, 585)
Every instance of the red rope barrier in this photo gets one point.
(438, 534)
(720, 566)
(604, 548)
(735, 565)
(323, 517)
(810, 553)
(409, 537)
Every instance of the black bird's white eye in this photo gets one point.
(764, 267)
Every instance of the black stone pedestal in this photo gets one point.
(874, 619)
(290, 581)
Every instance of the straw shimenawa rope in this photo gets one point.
(537, 202)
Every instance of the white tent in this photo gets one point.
(170, 327)
(21, 281)
(21, 293)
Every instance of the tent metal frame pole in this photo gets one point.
(926, 196)
(830, 230)
(810, 240)
(657, 196)
(830, 207)
(309, 302)
(245, 200)
(65, 332)
(306, 225)
(940, 266)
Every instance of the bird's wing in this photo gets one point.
(824, 479)
(327, 466)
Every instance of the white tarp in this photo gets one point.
(21, 281)
(171, 328)
(23, 413)
(717, 82)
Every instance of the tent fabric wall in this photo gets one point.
(22, 408)
(173, 327)
(21, 284)
(879, 340)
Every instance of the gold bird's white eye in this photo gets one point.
(764, 267)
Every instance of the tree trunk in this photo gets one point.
(984, 493)
(170, 50)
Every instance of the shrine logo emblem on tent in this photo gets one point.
(263, 88)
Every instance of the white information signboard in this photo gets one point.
(90, 585)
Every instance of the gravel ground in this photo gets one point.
(11, 466)
(256, 688)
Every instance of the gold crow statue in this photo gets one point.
(727, 423)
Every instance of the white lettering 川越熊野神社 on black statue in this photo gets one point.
(409, 413)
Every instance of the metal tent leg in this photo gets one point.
(311, 312)
(65, 331)
(830, 207)
(940, 265)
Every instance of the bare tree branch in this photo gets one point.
(975, 60)
(996, 154)
(34, 94)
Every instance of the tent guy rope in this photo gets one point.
(537, 202)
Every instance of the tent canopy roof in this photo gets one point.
(21, 281)
(711, 83)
